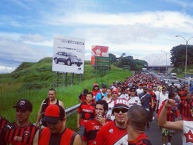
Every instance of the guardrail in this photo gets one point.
(72, 110)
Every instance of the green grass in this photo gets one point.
(32, 81)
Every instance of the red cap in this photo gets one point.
(115, 90)
(54, 113)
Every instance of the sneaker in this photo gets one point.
(168, 143)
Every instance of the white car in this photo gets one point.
(173, 76)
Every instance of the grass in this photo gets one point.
(32, 81)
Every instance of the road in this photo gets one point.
(154, 135)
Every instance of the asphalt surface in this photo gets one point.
(154, 135)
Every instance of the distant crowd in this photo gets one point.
(117, 114)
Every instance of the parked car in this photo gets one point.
(67, 58)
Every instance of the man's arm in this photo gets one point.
(61, 104)
(36, 138)
(177, 125)
(77, 140)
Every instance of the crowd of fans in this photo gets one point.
(114, 115)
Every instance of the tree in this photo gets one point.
(112, 58)
(178, 55)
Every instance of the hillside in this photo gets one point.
(32, 80)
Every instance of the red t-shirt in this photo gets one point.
(140, 140)
(172, 113)
(91, 129)
(87, 112)
(110, 134)
(47, 138)
(185, 109)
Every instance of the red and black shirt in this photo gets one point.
(15, 135)
(3, 122)
(87, 112)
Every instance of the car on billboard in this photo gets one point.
(67, 58)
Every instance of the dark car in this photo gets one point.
(67, 58)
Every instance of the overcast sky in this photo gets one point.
(139, 28)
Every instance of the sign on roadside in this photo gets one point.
(68, 55)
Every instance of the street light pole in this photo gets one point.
(166, 60)
(186, 62)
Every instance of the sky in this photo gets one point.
(144, 29)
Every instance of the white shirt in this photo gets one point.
(157, 94)
(187, 136)
(161, 98)
(109, 112)
(134, 101)
(139, 91)
(124, 96)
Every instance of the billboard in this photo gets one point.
(99, 51)
(68, 55)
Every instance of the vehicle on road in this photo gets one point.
(67, 58)
(173, 76)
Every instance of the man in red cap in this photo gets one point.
(56, 133)
(114, 132)
(21, 132)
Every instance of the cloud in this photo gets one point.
(4, 69)
(156, 19)
(182, 3)
(33, 38)
(15, 50)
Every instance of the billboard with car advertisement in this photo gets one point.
(68, 55)
(99, 51)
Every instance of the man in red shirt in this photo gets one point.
(82, 96)
(94, 125)
(56, 133)
(85, 112)
(20, 132)
(114, 132)
(136, 123)
(183, 93)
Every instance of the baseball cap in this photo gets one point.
(53, 113)
(24, 104)
(95, 85)
(115, 90)
(120, 103)
(104, 86)
(85, 91)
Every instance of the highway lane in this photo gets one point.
(154, 134)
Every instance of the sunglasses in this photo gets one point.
(123, 110)
(132, 91)
(114, 92)
(20, 110)
(163, 90)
